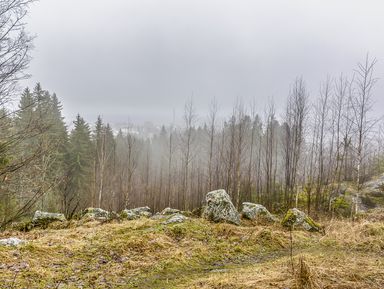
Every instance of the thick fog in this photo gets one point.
(140, 60)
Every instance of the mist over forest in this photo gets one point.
(224, 193)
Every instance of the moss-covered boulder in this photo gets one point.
(95, 214)
(42, 219)
(253, 211)
(136, 213)
(295, 217)
(219, 208)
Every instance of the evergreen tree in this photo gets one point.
(80, 159)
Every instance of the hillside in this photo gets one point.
(145, 253)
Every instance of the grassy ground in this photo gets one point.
(196, 254)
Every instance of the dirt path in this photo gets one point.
(180, 276)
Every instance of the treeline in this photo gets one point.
(298, 160)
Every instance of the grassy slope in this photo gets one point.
(196, 254)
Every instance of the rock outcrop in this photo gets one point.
(295, 217)
(219, 208)
(253, 211)
(372, 195)
(374, 186)
(136, 213)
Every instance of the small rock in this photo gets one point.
(220, 208)
(96, 214)
(218, 270)
(12, 242)
(295, 217)
(256, 211)
(169, 211)
(176, 218)
(158, 216)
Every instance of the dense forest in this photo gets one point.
(300, 158)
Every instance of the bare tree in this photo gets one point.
(15, 45)
(361, 101)
(251, 165)
(322, 111)
(187, 143)
(211, 133)
(293, 138)
(240, 128)
(269, 146)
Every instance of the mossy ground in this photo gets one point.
(145, 253)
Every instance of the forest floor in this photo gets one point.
(196, 254)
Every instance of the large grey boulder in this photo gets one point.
(95, 214)
(169, 211)
(220, 208)
(136, 213)
(253, 211)
(295, 217)
(375, 185)
(176, 218)
(44, 218)
(12, 242)
(372, 194)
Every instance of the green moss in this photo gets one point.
(24, 226)
(270, 239)
(289, 219)
(123, 215)
(341, 207)
(178, 232)
(315, 227)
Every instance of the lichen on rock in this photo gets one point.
(44, 218)
(176, 218)
(219, 208)
(136, 213)
(253, 211)
(95, 214)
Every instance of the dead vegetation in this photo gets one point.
(197, 254)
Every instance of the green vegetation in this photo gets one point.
(144, 253)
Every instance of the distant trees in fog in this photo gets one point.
(299, 160)
(321, 141)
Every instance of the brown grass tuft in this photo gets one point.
(304, 276)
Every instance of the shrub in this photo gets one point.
(341, 207)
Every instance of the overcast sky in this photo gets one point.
(139, 60)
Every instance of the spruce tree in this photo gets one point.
(79, 173)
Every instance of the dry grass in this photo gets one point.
(313, 270)
(197, 254)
